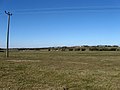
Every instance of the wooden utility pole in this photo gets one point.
(7, 50)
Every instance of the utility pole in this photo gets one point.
(7, 50)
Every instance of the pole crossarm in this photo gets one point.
(8, 13)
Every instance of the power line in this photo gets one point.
(66, 9)
(69, 8)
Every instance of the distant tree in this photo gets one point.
(83, 49)
(48, 49)
(70, 49)
(85, 46)
(77, 49)
(115, 46)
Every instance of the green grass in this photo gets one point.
(36, 70)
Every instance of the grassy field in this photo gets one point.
(36, 70)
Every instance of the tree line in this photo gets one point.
(73, 48)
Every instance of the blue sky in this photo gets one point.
(64, 28)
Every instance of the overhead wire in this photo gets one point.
(64, 9)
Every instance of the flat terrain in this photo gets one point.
(35, 70)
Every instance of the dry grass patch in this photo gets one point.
(60, 71)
